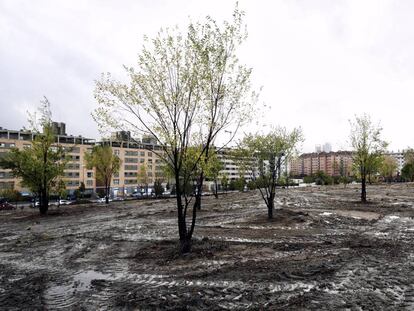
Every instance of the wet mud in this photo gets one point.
(322, 251)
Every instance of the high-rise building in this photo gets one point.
(327, 147)
(59, 128)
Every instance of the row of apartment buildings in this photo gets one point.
(134, 153)
(332, 163)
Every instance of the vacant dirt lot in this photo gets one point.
(323, 251)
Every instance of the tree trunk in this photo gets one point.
(269, 211)
(44, 198)
(185, 245)
(106, 194)
(215, 189)
(363, 189)
(43, 203)
(270, 204)
(185, 240)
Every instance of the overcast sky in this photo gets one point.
(319, 62)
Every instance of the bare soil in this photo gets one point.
(323, 251)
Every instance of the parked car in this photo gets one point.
(166, 194)
(4, 205)
(137, 194)
(102, 200)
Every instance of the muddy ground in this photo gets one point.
(323, 251)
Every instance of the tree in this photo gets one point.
(143, 179)
(409, 155)
(40, 166)
(264, 156)
(186, 90)
(407, 172)
(60, 190)
(213, 168)
(321, 178)
(239, 183)
(82, 188)
(158, 188)
(365, 138)
(224, 182)
(388, 168)
(105, 163)
(374, 165)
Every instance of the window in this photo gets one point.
(116, 152)
(90, 174)
(6, 185)
(89, 183)
(131, 167)
(72, 174)
(131, 160)
(141, 160)
(142, 153)
(73, 158)
(130, 174)
(72, 183)
(131, 153)
(116, 181)
(149, 153)
(72, 166)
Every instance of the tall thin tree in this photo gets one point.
(105, 163)
(365, 138)
(187, 88)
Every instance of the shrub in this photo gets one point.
(308, 179)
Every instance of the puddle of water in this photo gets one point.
(381, 234)
(228, 239)
(391, 218)
(83, 280)
(283, 287)
(325, 214)
(359, 214)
